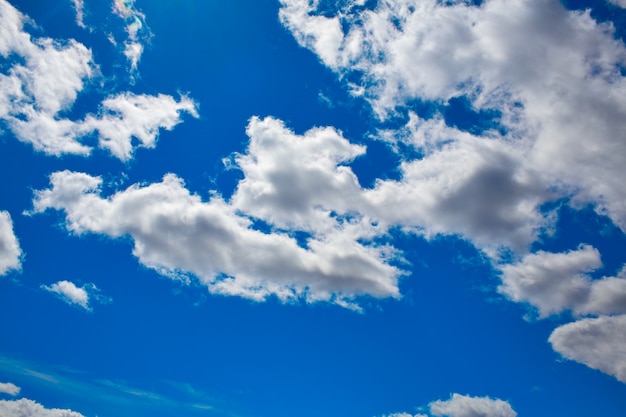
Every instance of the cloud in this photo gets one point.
(466, 406)
(10, 252)
(37, 90)
(9, 388)
(128, 116)
(136, 30)
(554, 282)
(553, 81)
(71, 294)
(540, 66)
(175, 231)
(599, 343)
(29, 408)
(79, 7)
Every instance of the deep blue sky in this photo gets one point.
(487, 204)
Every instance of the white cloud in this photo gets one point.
(554, 282)
(79, 7)
(128, 116)
(553, 74)
(599, 343)
(71, 294)
(466, 406)
(34, 94)
(476, 186)
(175, 231)
(9, 388)
(29, 408)
(554, 78)
(10, 252)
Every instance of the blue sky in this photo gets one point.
(293, 207)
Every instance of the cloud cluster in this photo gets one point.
(29, 408)
(37, 89)
(176, 232)
(71, 294)
(552, 78)
(466, 406)
(9, 388)
(10, 252)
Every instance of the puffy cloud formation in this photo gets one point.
(29, 408)
(175, 231)
(540, 66)
(554, 282)
(9, 388)
(599, 343)
(36, 90)
(10, 252)
(554, 84)
(71, 294)
(466, 406)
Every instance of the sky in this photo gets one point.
(267, 208)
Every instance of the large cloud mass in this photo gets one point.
(551, 79)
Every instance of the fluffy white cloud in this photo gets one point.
(128, 116)
(71, 294)
(175, 231)
(554, 78)
(29, 408)
(553, 74)
(554, 282)
(35, 92)
(9, 388)
(599, 343)
(479, 187)
(10, 252)
(465, 406)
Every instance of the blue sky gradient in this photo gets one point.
(299, 208)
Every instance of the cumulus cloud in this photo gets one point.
(552, 78)
(466, 406)
(599, 343)
(9, 388)
(10, 252)
(71, 294)
(29, 408)
(37, 90)
(540, 66)
(175, 231)
(554, 282)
